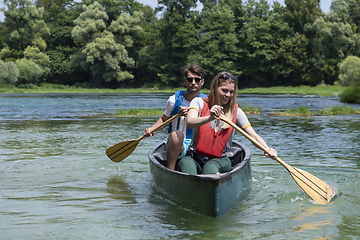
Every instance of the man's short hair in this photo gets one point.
(194, 69)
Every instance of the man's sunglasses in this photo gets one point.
(190, 79)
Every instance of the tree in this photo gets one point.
(176, 34)
(59, 16)
(34, 54)
(145, 50)
(216, 40)
(25, 25)
(100, 52)
(354, 14)
(300, 13)
(259, 40)
(332, 41)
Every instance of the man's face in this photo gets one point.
(193, 82)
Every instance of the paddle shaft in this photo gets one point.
(161, 125)
(121, 150)
(317, 189)
(179, 114)
(253, 140)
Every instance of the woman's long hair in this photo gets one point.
(214, 98)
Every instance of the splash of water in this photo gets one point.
(332, 190)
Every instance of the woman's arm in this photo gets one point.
(194, 121)
(271, 151)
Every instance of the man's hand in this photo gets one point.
(148, 133)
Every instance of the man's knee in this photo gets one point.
(176, 136)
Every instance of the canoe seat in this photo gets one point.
(234, 153)
(160, 157)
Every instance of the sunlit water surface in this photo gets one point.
(57, 182)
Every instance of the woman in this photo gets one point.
(211, 136)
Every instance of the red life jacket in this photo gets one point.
(211, 142)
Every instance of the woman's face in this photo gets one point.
(226, 92)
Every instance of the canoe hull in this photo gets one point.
(210, 194)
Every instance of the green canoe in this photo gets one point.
(210, 194)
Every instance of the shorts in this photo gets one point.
(186, 144)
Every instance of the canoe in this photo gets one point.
(211, 194)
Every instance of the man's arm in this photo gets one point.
(161, 120)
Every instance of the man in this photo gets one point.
(180, 136)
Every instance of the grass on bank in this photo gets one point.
(159, 112)
(330, 111)
(140, 112)
(321, 90)
(301, 111)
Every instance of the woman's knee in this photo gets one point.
(188, 165)
(217, 165)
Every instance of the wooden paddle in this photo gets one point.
(121, 150)
(318, 190)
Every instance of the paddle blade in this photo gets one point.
(120, 151)
(315, 188)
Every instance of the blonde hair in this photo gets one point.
(214, 98)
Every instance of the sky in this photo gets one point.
(324, 4)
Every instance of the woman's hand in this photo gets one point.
(215, 111)
(271, 153)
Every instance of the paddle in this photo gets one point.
(121, 150)
(318, 190)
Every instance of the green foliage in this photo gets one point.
(8, 73)
(30, 72)
(60, 66)
(330, 111)
(40, 58)
(140, 112)
(332, 41)
(350, 71)
(259, 44)
(90, 24)
(337, 110)
(302, 111)
(216, 54)
(103, 52)
(250, 109)
(351, 95)
(25, 25)
(8, 54)
(121, 43)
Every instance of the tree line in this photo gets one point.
(123, 43)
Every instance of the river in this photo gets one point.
(57, 182)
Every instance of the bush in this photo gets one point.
(350, 71)
(30, 72)
(351, 95)
(8, 72)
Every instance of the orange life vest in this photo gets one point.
(211, 139)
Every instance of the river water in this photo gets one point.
(57, 182)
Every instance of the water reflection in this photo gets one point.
(120, 190)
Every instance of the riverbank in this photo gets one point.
(299, 112)
(321, 90)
